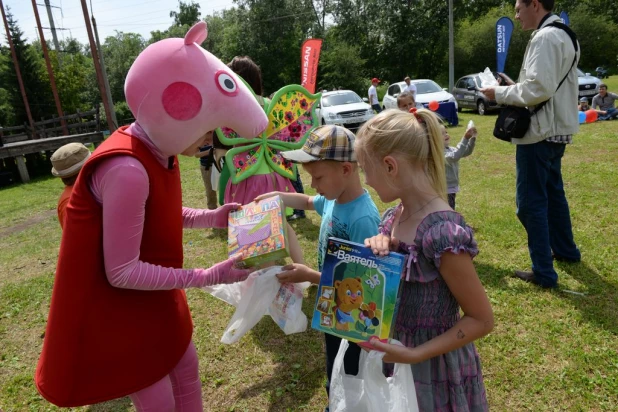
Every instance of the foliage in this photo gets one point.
(597, 50)
(33, 74)
(342, 66)
(119, 52)
(187, 15)
(123, 113)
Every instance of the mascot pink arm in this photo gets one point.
(177, 92)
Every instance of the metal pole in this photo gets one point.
(52, 27)
(17, 71)
(104, 71)
(451, 48)
(97, 68)
(50, 71)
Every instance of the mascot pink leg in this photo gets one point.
(119, 323)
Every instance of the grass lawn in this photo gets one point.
(550, 350)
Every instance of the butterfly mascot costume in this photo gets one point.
(255, 166)
(119, 324)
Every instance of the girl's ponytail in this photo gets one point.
(435, 155)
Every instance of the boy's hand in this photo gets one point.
(471, 132)
(296, 273)
(266, 196)
(381, 244)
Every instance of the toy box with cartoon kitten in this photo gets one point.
(358, 293)
(258, 232)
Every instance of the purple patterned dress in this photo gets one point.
(453, 381)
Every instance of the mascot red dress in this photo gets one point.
(119, 324)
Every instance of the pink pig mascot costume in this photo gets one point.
(119, 323)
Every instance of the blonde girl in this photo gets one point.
(402, 155)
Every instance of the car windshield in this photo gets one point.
(580, 73)
(340, 99)
(427, 87)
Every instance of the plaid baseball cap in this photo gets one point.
(327, 142)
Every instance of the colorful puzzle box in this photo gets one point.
(258, 232)
(358, 292)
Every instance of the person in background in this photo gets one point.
(451, 160)
(406, 101)
(66, 162)
(373, 95)
(542, 206)
(207, 161)
(410, 87)
(583, 105)
(605, 101)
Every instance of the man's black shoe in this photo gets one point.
(530, 277)
(563, 259)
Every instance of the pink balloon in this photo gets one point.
(433, 105)
(591, 116)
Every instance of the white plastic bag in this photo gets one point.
(214, 177)
(370, 391)
(259, 294)
(287, 309)
(487, 78)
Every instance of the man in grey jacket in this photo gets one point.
(542, 206)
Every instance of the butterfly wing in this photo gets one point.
(243, 161)
(291, 115)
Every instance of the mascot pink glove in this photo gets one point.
(223, 272)
(201, 218)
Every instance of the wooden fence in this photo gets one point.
(20, 143)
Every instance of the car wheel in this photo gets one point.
(480, 107)
(323, 122)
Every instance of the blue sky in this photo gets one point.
(137, 16)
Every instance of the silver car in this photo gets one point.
(343, 108)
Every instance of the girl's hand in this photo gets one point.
(265, 196)
(471, 132)
(381, 244)
(396, 353)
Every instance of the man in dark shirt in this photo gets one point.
(605, 102)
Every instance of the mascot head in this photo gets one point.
(178, 92)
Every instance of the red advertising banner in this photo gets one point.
(309, 57)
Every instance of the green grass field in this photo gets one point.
(550, 350)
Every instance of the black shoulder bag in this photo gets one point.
(513, 122)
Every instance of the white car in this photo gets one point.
(343, 108)
(426, 91)
(588, 85)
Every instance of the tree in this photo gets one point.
(73, 77)
(120, 51)
(33, 74)
(188, 13)
(342, 66)
(598, 46)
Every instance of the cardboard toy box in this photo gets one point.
(258, 232)
(358, 293)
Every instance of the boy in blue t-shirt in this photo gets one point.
(346, 209)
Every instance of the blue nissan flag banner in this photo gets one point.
(504, 29)
(565, 18)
